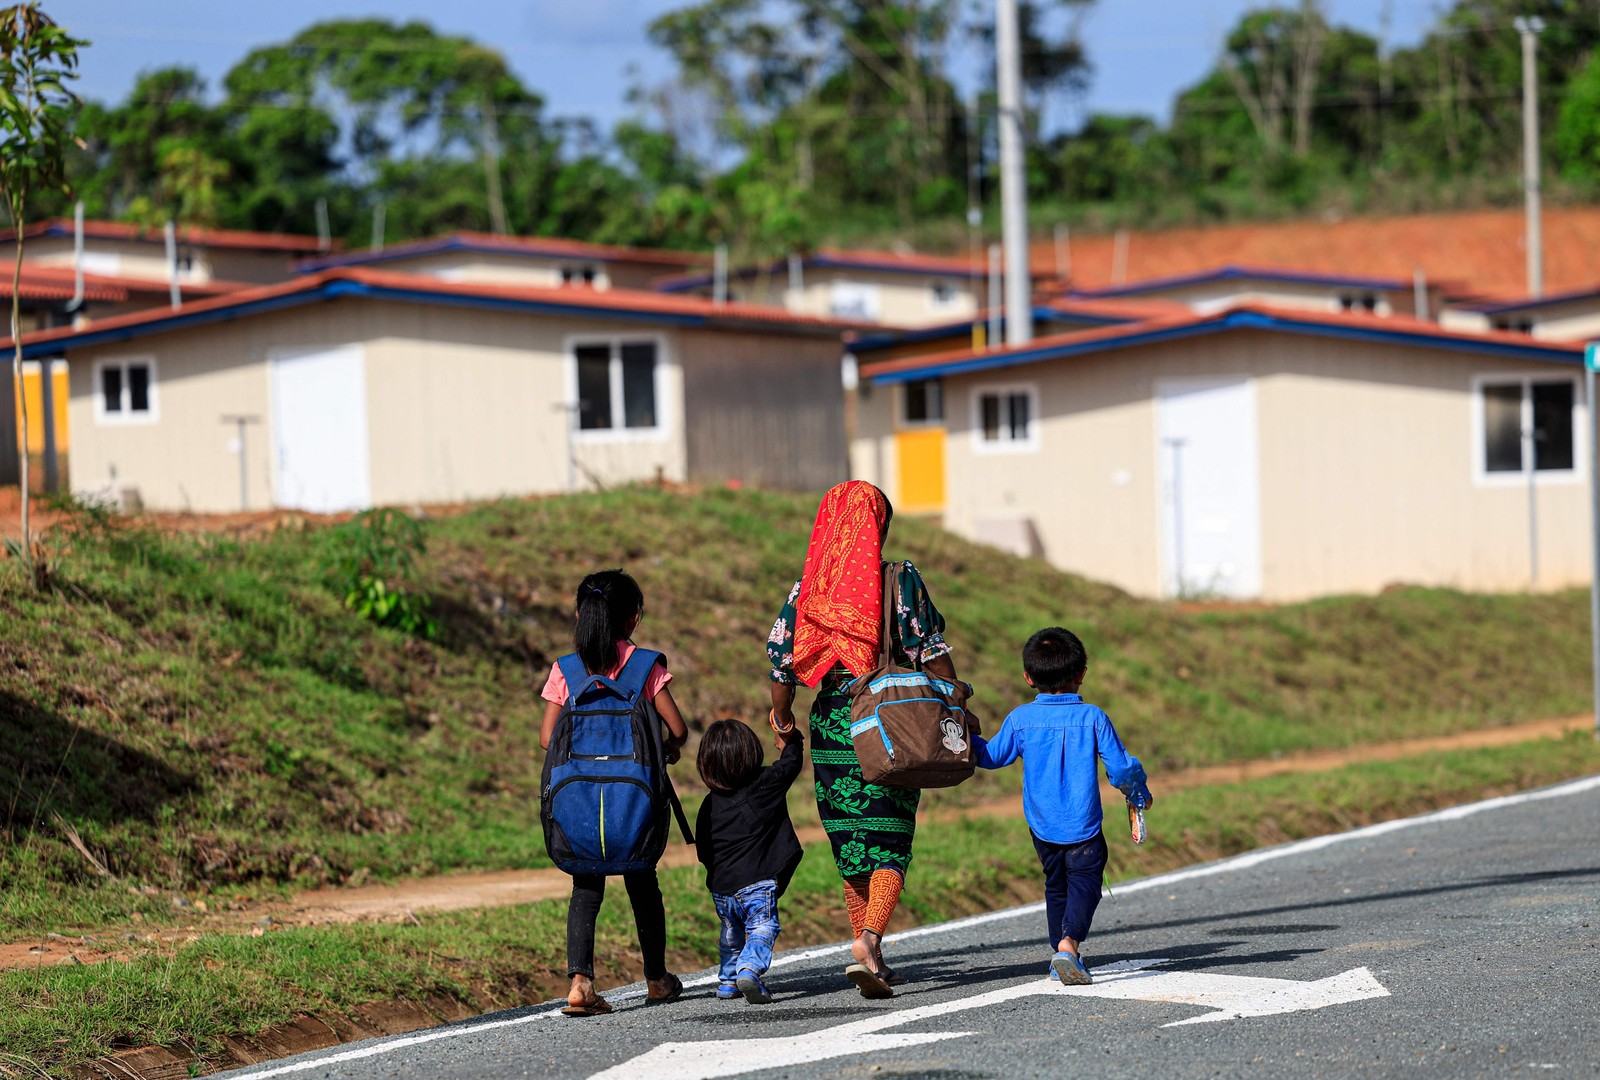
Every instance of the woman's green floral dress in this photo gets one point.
(869, 825)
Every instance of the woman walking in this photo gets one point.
(828, 633)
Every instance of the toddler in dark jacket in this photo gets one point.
(749, 848)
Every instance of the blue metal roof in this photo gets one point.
(342, 288)
(1066, 348)
(1247, 273)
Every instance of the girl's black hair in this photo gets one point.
(608, 600)
(729, 757)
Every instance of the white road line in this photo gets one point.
(1237, 862)
(1227, 997)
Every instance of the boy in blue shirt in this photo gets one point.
(1058, 735)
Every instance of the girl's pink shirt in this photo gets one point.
(555, 687)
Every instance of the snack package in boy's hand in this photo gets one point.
(1136, 824)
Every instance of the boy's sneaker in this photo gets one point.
(727, 991)
(754, 991)
(1070, 969)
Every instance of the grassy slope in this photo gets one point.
(193, 995)
(205, 714)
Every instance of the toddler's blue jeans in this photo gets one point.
(1073, 874)
(749, 929)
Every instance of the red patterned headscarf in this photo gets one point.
(839, 614)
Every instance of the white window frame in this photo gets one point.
(614, 342)
(935, 304)
(571, 275)
(151, 415)
(902, 403)
(1482, 477)
(1027, 445)
(870, 293)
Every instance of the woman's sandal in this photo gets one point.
(597, 1006)
(674, 991)
(872, 982)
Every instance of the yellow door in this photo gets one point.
(34, 394)
(920, 452)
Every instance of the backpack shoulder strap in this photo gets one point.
(636, 672)
(575, 673)
(891, 599)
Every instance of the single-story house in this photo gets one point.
(1312, 290)
(204, 256)
(886, 287)
(352, 388)
(1571, 315)
(515, 260)
(1254, 452)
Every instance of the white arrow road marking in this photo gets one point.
(1231, 997)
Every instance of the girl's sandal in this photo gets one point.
(673, 993)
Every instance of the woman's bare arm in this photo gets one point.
(782, 705)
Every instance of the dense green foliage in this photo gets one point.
(790, 123)
(204, 712)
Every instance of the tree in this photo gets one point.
(393, 93)
(37, 58)
(1577, 135)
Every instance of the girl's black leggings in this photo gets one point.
(649, 915)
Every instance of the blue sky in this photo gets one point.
(577, 53)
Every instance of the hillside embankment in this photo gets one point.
(210, 755)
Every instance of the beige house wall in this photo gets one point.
(462, 404)
(903, 299)
(872, 446)
(493, 268)
(1215, 295)
(1568, 322)
(148, 259)
(1367, 459)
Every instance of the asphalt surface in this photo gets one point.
(1465, 943)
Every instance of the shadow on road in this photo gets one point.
(1488, 882)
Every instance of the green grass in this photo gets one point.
(192, 995)
(210, 719)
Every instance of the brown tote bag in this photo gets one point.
(909, 728)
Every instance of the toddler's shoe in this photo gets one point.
(1070, 969)
(727, 991)
(754, 991)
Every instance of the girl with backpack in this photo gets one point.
(603, 733)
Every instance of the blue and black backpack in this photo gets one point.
(606, 792)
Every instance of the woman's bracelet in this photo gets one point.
(772, 722)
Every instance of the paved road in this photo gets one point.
(1464, 943)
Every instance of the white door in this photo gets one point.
(319, 430)
(1210, 497)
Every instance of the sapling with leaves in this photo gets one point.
(37, 58)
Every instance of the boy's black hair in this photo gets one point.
(607, 601)
(1054, 659)
(730, 756)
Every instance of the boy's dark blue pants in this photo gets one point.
(1073, 874)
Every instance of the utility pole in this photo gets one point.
(1591, 360)
(174, 293)
(378, 213)
(719, 274)
(996, 303)
(1013, 183)
(1529, 27)
(241, 421)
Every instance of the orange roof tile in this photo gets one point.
(217, 238)
(1482, 250)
